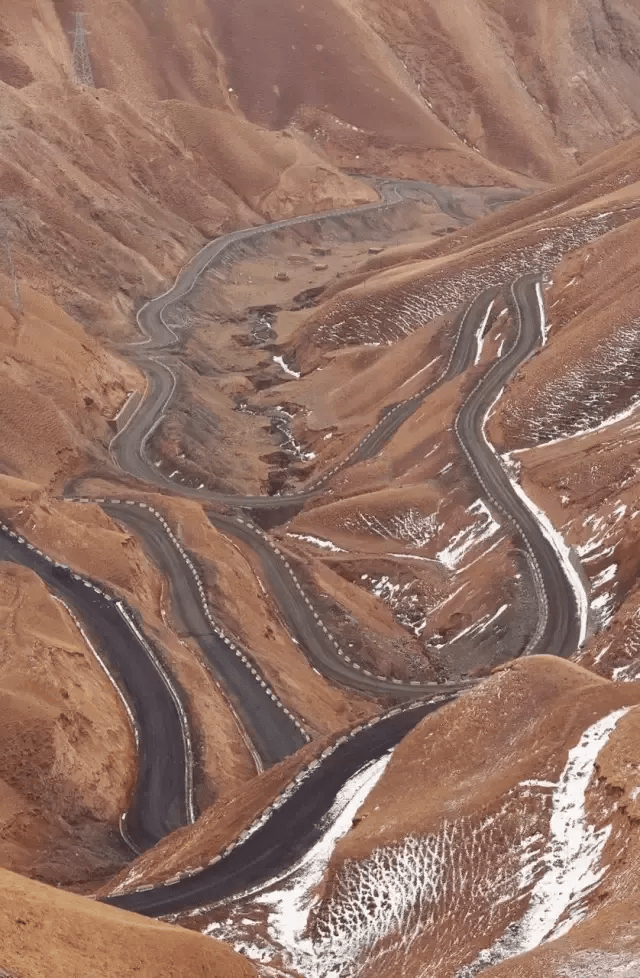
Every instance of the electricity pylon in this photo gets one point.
(82, 72)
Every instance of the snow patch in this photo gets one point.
(608, 574)
(291, 904)
(544, 324)
(318, 542)
(480, 332)
(287, 369)
(412, 527)
(480, 626)
(624, 674)
(603, 608)
(563, 553)
(282, 423)
(469, 537)
(572, 858)
(418, 372)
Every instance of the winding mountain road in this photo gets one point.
(162, 799)
(293, 827)
(129, 445)
(273, 732)
(466, 324)
(289, 831)
(560, 626)
(163, 796)
(316, 643)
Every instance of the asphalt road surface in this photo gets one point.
(273, 733)
(314, 644)
(289, 832)
(453, 204)
(128, 447)
(559, 631)
(466, 324)
(161, 799)
(292, 829)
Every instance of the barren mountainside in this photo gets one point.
(319, 486)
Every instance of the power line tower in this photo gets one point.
(82, 72)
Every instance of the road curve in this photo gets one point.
(461, 355)
(162, 799)
(274, 733)
(128, 447)
(316, 643)
(289, 831)
(130, 444)
(292, 828)
(559, 628)
(495, 197)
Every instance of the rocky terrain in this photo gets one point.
(265, 479)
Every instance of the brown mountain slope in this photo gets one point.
(105, 194)
(532, 85)
(46, 933)
(498, 820)
(67, 764)
(400, 553)
(116, 153)
(317, 67)
(606, 944)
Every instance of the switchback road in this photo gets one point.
(559, 625)
(129, 446)
(272, 731)
(290, 830)
(162, 799)
(319, 646)
(466, 324)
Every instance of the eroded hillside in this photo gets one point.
(319, 570)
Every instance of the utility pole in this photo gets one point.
(82, 72)
(16, 300)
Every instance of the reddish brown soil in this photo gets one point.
(45, 932)
(226, 115)
(442, 855)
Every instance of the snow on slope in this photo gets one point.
(317, 542)
(400, 310)
(411, 605)
(522, 871)
(563, 553)
(589, 395)
(470, 536)
(413, 528)
(571, 859)
(291, 903)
